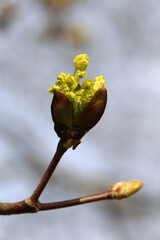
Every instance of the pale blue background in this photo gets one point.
(123, 43)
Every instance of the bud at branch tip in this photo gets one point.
(126, 189)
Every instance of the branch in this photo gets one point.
(77, 201)
(27, 205)
(118, 191)
(59, 153)
(32, 205)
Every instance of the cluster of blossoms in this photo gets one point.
(79, 96)
(75, 106)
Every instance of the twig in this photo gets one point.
(77, 201)
(32, 205)
(59, 153)
(25, 207)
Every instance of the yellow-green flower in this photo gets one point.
(81, 62)
(76, 106)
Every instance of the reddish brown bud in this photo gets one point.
(61, 109)
(93, 112)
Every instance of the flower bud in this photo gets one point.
(126, 189)
(81, 62)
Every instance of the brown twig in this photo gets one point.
(27, 207)
(59, 153)
(32, 205)
(77, 201)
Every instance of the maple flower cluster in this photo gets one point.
(75, 105)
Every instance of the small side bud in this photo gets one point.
(81, 62)
(126, 189)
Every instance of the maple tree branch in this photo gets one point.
(27, 206)
(59, 153)
(33, 205)
(77, 201)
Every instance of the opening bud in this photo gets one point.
(75, 106)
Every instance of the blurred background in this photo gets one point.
(38, 40)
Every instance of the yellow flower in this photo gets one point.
(81, 62)
(81, 74)
(76, 106)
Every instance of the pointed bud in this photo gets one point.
(126, 189)
(61, 109)
(93, 112)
